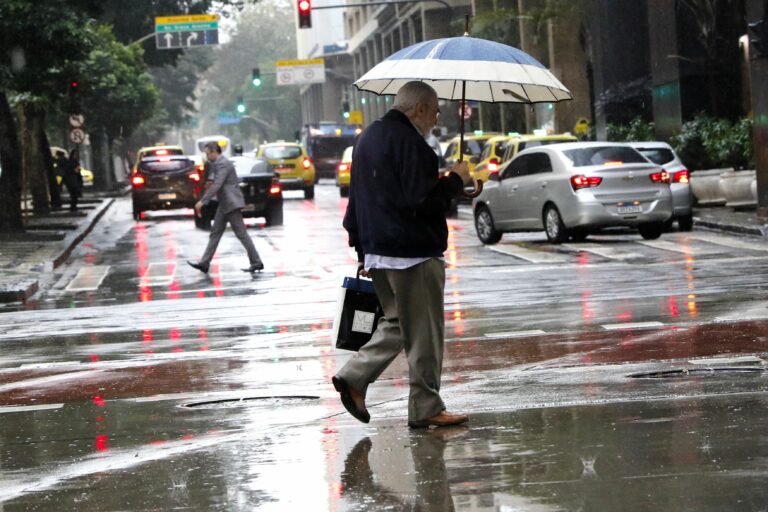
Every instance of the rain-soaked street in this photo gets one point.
(613, 374)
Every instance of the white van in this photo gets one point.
(224, 143)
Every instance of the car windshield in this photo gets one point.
(284, 152)
(245, 166)
(600, 155)
(659, 156)
(162, 164)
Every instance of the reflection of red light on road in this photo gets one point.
(175, 334)
(101, 443)
(217, 280)
(173, 291)
(178, 349)
(142, 262)
(94, 358)
(692, 309)
(147, 335)
(586, 310)
(673, 308)
(625, 316)
(99, 401)
(336, 490)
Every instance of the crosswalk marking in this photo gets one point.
(29, 408)
(514, 334)
(636, 325)
(88, 278)
(159, 273)
(688, 250)
(729, 241)
(603, 251)
(533, 256)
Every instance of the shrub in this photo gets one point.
(636, 130)
(708, 143)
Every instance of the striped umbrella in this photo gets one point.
(467, 68)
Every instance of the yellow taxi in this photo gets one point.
(491, 157)
(519, 142)
(344, 172)
(473, 148)
(292, 164)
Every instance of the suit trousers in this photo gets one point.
(412, 300)
(235, 219)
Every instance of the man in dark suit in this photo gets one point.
(396, 221)
(226, 188)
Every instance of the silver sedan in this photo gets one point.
(573, 189)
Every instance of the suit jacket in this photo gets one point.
(225, 186)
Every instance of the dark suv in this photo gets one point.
(261, 190)
(164, 182)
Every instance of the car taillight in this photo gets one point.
(195, 176)
(275, 188)
(660, 177)
(580, 181)
(307, 163)
(137, 181)
(493, 165)
(343, 167)
(682, 176)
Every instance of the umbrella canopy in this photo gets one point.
(493, 72)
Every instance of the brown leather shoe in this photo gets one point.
(443, 419)
(353, 400)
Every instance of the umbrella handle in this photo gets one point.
(474, 193)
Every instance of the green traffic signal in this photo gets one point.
(256, 77)
(240, 105)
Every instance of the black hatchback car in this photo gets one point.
(164, 182)
(261, 190)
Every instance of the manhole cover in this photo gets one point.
(261, 401)
(697, 372)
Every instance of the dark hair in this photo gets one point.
(213, 146)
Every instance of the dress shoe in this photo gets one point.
(353, 400)
(254, 267)
(198, 266)
(443, 419)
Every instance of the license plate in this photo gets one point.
(635, 208)
(166, 197)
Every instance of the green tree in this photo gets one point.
(264, 34)
(117, 95)
(41, 43)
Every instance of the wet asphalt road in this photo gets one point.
(615, 374)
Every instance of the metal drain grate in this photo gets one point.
(677, 373)
(261, 401)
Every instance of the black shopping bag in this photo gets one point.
(357, 314)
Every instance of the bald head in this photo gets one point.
(418, 101)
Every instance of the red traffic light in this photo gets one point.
(305, 14)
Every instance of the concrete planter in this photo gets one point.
(739, 188)
(705, 185)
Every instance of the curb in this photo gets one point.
(29, 286)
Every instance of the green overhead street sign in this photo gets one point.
(174, 32)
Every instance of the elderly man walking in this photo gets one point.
(396, 221)
(226, 187)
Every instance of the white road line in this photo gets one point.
(729, 241)
(686, 249)
(530, 255)
(159, 273)
(28, 408)
(727, 360)
(636, 325)
(514, 334)
(88, 278)
(603, 251)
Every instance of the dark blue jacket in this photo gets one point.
(397, 198)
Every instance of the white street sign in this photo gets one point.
(300, 72)
(77, 135)
(76, 120)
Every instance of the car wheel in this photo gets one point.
(309, 192)
(344, 191)
(553, 225)
(651, 231)
(484, 227)
(685, 223)
(274, 216)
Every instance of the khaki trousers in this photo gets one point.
(412, 300)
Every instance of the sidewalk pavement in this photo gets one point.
(50, 239)
(47, 243)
